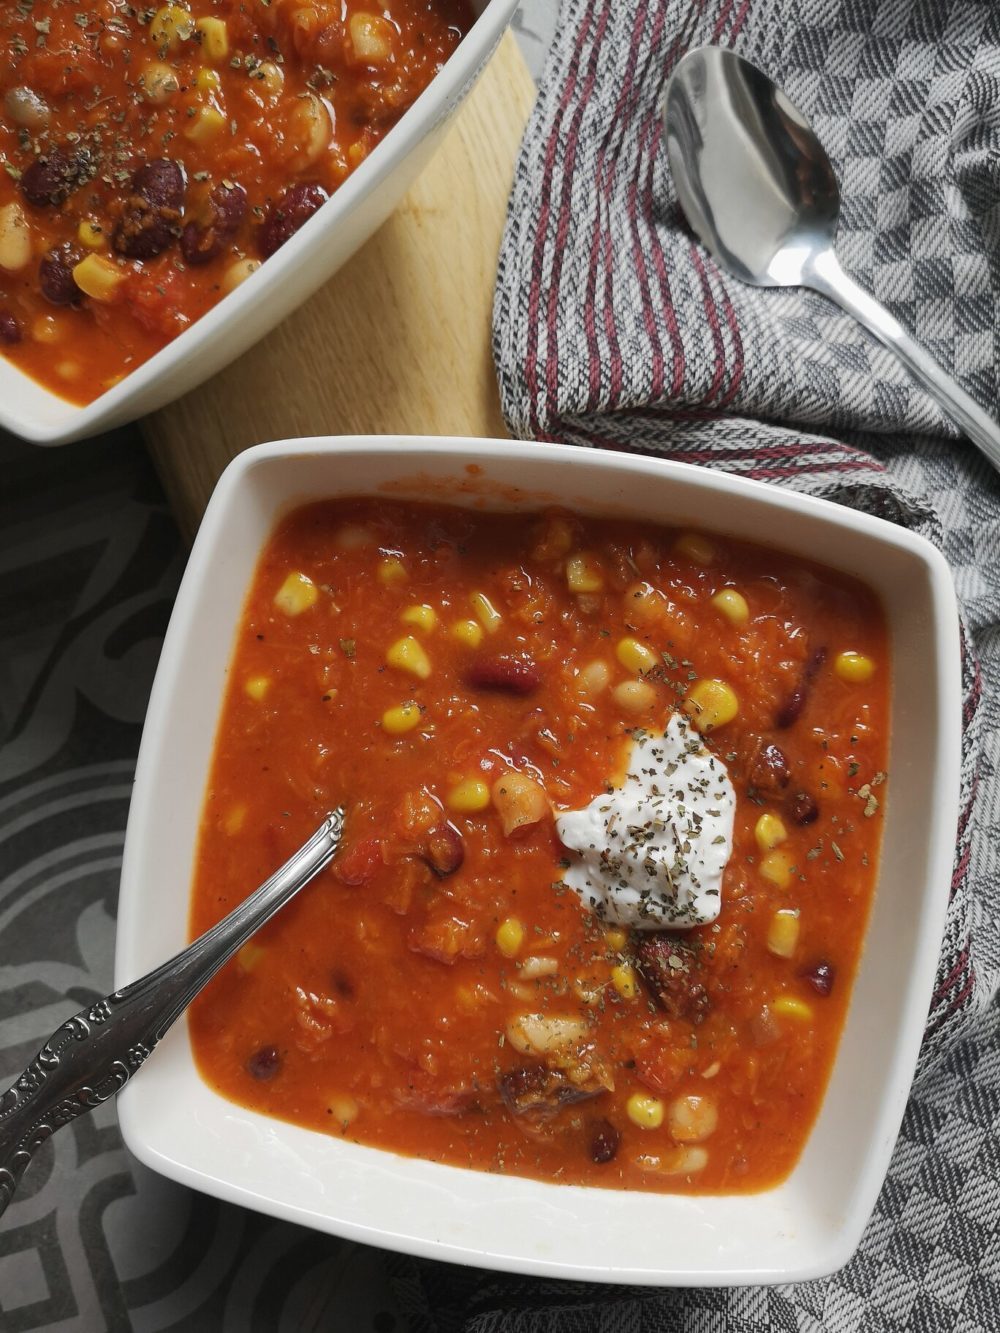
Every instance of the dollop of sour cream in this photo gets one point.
(651, 853)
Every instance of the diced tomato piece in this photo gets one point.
(360, 863)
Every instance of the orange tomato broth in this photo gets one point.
(273, 102)
(377, 1006)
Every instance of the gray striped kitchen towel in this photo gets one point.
(614, 329)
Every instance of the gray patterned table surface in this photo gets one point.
(89, 563)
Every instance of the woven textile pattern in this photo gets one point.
(614, 329)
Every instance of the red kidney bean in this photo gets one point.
(207, 235)
(264, 1063)
(55, 276)
(295, 207)
(54, 175)
(150, 222)
(444, 850)
(538, 1091)
(668, 966)
(160, 182)
(604, 1141)
(791, 710)
(768, 769)
(509, 675)
(821, 977)
(803, 808)
(10, 328)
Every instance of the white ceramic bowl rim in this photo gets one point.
(54, 419)
(806, 1227)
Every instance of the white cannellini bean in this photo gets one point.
(692, 1118)
(15, 238)
(270, 78)
(680, 1161)
(371, 37)
(238, 272)
(159, 82)
(540, 1034)
(593, 678)
(537, 966)
(311, 130)
(26, 108)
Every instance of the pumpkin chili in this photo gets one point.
(460, 680)
(155, 156)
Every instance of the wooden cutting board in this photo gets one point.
(398, 341)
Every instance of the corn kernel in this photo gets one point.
(207, 124)
(401, 719)
(711, 703)
(790, 1006)
(583, 574)
(769, 832)
(344, 1109)
(644, 605)
(733, 605)
(208, 80)
(510, 937)
(214, 38)
(693, 546)
(234, 820)
(634, 696)
(486, 613)
(48, 329)
(776, 867)
(616, 938)
(624, 980)
(91, 235)
(472, 999)
(855, 668)
(469, 632)
(424, 617)
(783, 933)
(257, 686)
(644, 1110)
(98, 277)
(407, 655)
(391, 570)
(555, 541)
(170, 26)
(249, 956)
(469, 797)
(636, 657)
(297, 594)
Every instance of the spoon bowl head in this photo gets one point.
(751, 176)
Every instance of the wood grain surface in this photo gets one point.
(398, 340)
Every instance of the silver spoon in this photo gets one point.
(761, 195)
(94, 1054)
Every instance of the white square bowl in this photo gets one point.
(806, 1227)
(312, 256)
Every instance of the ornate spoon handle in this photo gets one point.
(95, 1053)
